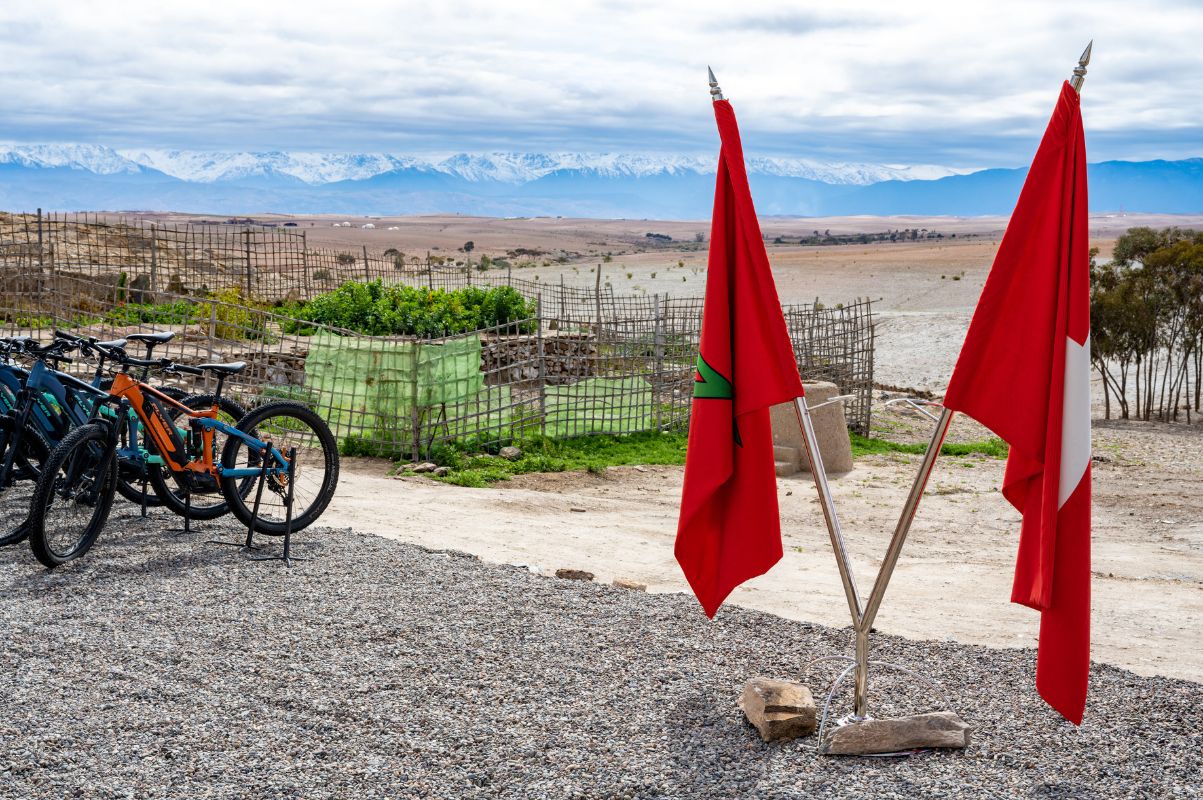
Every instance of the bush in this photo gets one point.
(238, 318)
(379, 310)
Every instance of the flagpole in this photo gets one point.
(911, 507)
(830, 517)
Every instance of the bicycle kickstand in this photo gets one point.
(187, 529)
(287, 558)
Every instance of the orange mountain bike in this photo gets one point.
(282, 453)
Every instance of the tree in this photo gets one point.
(1147, 323)
(469, 246)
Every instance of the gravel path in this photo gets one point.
(166, 667)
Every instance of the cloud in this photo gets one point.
(926, 82)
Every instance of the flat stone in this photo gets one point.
(939, 729)
(574, 574)
(779, 710)
(510, 453)
(626, 583)
(426, 466)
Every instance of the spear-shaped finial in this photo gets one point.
(1080, 71)
(715, 92)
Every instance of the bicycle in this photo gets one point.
(40, 406)
(282, 446)
(138, 476)
(43, 404)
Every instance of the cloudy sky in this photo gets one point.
(963, 84)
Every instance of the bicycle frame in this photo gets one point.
(44, 396)
(145, 402)
(61, 403)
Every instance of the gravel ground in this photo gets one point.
(167, 667)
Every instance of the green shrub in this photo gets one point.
(378, 310)
(238, 318)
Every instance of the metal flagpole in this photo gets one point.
(810, 443)
(884, 574)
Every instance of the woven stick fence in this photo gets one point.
(588, 362)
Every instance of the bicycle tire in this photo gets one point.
(85, 450)
(242, 504)
(14, 503)
(165, 488)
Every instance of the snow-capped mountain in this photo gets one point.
(515, 168)
(312, 168)
(608, 185)
(93, 158)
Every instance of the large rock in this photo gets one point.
(940, 729)
(778, 709)
(831, 430)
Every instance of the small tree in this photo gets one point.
(469, 246)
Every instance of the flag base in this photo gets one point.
(864, 735)
(902, 736)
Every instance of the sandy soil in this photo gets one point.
(953, 581)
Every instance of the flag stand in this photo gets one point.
(863, 615)
(852, 734)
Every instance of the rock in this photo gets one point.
(778, 709)
(940, 729)
(510, 453)
(574, 574)
(426, 466)
(626, 583)
(441, 472)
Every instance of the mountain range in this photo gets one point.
(79, 176)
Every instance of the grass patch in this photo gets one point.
(595, 453)
(588, 453)
(866, 446)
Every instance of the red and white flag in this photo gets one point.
(1024, 373)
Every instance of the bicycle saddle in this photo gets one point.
(157, 338)
(232, 368)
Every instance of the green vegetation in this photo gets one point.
(378, 310)
(541, 454)
(595, 453)
(1146, 324)
(236, 318)
(865, 446)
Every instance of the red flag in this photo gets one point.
(729, 530)
(1024, 372)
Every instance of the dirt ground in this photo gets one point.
(953, 581)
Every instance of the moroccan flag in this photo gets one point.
(729, 530)
(1024, 373)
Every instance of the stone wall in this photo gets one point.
(567, 357)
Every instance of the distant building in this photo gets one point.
(368, 226)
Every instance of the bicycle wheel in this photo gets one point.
(74, 496)
(285, 425)
(16, 496)
(133, 472)
(207, 501)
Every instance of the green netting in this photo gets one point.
(372, 386)
(599, 405)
